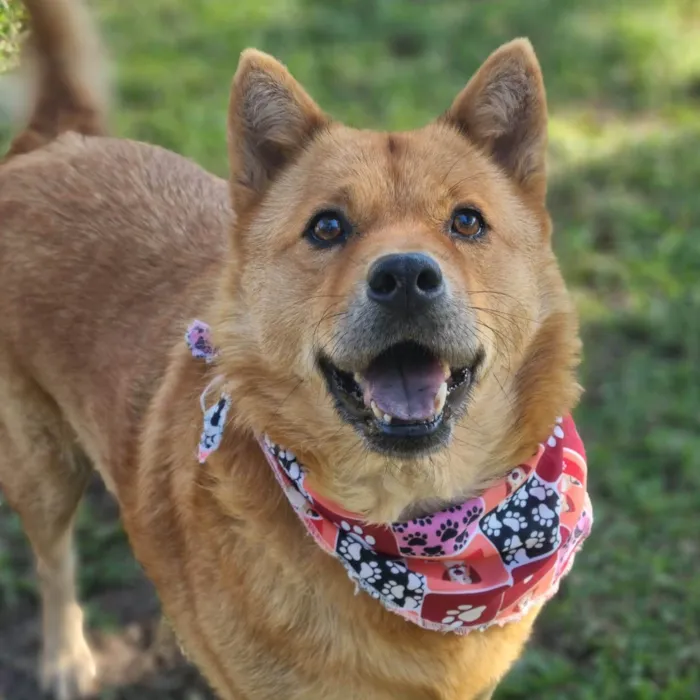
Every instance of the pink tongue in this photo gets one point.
(404, 385)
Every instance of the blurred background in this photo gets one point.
(623, 79)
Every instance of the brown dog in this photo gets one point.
(108, 248)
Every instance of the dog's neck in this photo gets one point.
(496, 554)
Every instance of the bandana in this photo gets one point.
(483, 562)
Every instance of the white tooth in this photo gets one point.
(375, 409)
(445, 369)
(358, 377)
(440, 398)
(387, 418)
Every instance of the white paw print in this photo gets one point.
(396, 567)
(543, 515)
(492, 525)
(557, 433)
(519, 498)
(415, 582)
(357, 532)
(352, 551)
(370, 571)
(535, 540)
(393, 590)
(540, 491)
(463, 613)
(411, 603)
(514, 520)
(513, 550)
(512, 543)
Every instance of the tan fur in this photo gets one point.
(108, 248)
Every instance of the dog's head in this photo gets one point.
(393, 310)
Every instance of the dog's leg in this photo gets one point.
(67, 667)
(43, 483)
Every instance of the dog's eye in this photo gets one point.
(468, 223)
(327, 228)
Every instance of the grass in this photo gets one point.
(624, 88)
(11, 20)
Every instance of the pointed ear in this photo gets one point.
(271, 118)
(503, 109)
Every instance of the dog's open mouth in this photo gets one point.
(403, 400)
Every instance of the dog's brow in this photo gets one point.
(343, 197)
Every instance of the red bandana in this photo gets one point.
(485, 561)
(482, 562)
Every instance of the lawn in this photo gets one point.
(623, 80)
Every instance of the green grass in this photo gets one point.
(624, 87)
(11, 19)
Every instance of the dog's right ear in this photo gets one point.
(271, 119)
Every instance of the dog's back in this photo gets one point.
(94, 282)
(86, 248)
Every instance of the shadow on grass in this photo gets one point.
(385, 64)
(625, 623)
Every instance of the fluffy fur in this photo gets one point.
(109, 247)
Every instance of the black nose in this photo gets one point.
(408, 282)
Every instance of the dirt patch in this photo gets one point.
(136, 653)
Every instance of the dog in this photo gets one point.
(379, 339)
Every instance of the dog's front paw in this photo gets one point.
(70, 673)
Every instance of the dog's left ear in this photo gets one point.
(271, 119)
(503, 109)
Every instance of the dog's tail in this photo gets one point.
(69, 90)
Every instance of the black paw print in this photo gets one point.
(434, 551)
(417, 539)
(455, 509)
(400, 528)
(427, 520)
(459, 540)
(407, 550)
(447, 531)
(471, 514)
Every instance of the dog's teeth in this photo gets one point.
(440, 398)
(358, 378)
(445, 369)
(380, 415)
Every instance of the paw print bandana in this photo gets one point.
(480, 563)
